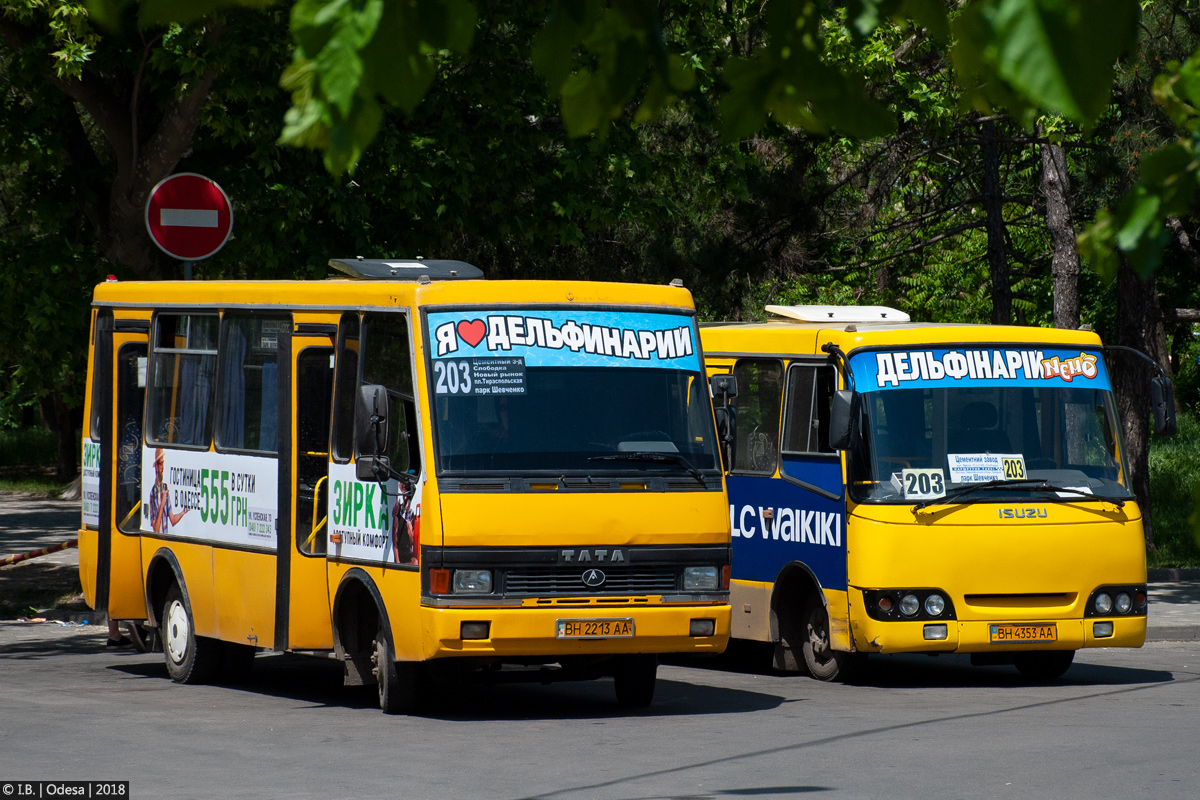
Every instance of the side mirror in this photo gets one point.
(723, 386)
(1162, 403)
(371, 433)
(841, 418)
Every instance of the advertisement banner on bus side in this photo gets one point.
(490, 349)
(218, 497)
(371, 521)
(90, 482)
(880, 370)
(774, 523)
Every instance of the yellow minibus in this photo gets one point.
(899, 487)
(405, 467)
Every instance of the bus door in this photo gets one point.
(813, 472)
(119, 588)
(308, 596)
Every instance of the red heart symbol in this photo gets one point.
(472, 332)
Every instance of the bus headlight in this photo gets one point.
(697, 579)
(909, 605)
(1124, 603)
(472, 581)
(935, 605)
(1103, 603)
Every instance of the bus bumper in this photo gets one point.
(532, 632)
(973, 636)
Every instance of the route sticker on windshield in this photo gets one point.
(981, 467)
(479, 376)
(923, 484)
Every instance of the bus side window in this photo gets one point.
(249, 370)
(183, 370)
(387, 362)
(760, 393)
(345, 385)
(810, 393)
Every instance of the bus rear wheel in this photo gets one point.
(1045, 665)
(634, 678)
(823, 662)
(190, 658)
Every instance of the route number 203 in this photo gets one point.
(452, 377)
(1014, 469)
(923, 484)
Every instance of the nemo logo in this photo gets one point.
(1067, 368)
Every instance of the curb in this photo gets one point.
(1172, 574)
(1173, 633)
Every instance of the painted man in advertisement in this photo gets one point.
(161, 516)
(406, 526)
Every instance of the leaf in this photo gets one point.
(1056, 55)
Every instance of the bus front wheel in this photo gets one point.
(823, 662)
(634, 678)
(397, 682)
(1045, 665)
(190, 658)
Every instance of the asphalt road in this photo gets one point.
(1121, 724)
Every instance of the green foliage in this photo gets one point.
(351, 54)
(1029, 56)
(27, 447)
(1175, 494)
(623, 47)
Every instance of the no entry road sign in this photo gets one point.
(189, 216)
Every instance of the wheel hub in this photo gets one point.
(176, 632)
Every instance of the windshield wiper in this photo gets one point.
(1030, 484)
(657, 457)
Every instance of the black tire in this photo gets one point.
(634, 677)
(1044, 665)
(190, 658)
(823, 662)
(398, 683)
(237, 662)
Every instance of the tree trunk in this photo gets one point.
(993, 203)
(60, 418)
(1056, 187)
(1137, 321)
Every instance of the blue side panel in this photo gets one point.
(805, 527)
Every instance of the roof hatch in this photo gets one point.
(839, 313)
(406, 269)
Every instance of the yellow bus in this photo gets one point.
(404, 467)
(898, 487)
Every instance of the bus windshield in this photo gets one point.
(569, 419)
(569, 392)
(1034, 419)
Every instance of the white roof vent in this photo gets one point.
(839, 313)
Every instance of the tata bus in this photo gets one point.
(920, 488)
(406, 467)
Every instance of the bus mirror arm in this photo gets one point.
(1162, 393)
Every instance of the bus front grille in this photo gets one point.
(543, 581)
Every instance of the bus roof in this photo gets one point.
(789, 337)
(342, 292)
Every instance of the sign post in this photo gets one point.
(189, 217)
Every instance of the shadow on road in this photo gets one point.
(929, 672)
(318, 682)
